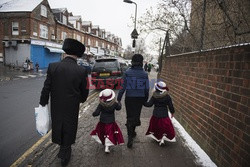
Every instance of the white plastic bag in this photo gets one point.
(42, 119)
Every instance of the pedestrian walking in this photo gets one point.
(160, 127)
(66, 85)
(107, 132)
(37, 66)
(146, 66)
(136, 85)
(27, 61)
(149, 67)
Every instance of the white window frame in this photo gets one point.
(78, 26)
(78, 37)
(43, 31)
(15, 28)
(64, 20)
(64, 35)
(44, 11)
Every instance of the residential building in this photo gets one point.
(31, 29)
(28, 31)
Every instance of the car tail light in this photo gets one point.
(94, 74)
(116, 73)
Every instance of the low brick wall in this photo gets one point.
(211, 95)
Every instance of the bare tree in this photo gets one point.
(140, 46)
(172, 16)
(200, 24)
(225, 22)
(128, 53)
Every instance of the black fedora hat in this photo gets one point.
(73, 47)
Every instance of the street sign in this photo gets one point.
(134, 34)
(133, 45)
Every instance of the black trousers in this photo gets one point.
(133, 110)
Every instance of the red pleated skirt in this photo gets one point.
(161, 128)
(107, 134)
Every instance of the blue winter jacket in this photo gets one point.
(135, 83)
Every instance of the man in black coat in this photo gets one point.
(66, 85)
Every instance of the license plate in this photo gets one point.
(104, 74)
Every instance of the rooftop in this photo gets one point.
(18, 5)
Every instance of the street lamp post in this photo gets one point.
(134, 34)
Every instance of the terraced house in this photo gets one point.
(31, 29)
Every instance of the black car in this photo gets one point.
(106, 73)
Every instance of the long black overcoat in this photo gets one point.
(66, 84)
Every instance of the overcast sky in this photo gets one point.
(111, 15)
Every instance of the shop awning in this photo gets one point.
(55, 50)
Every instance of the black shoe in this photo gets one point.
(65, 156)
(65, 162)
(133, 132)
(60, 153)
(130, 142)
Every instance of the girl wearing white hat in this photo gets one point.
(161, 128)
(107, 132)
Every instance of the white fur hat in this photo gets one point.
(161, 86)
(107, 95)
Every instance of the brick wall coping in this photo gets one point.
(207, 50)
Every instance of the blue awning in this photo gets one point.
(55, 50)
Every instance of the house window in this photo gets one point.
(43, 11)
(64, 20)
(78, 37)
(15, 28)
(89, 29)
(64, 35)
(82, 39)
(78, 26)
(35, 29)
(53, 34)
(103, 45)
(96, 43)
(89, 42)
(43, 31)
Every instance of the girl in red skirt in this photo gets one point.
(161, 128)
(107, 132)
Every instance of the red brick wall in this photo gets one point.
(211, 95)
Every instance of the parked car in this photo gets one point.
(106, 73)
(123, 64)
(85, 64)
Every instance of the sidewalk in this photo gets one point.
(7, 73)
(86, 152)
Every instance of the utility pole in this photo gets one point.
(167, 44)
(203, 23)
